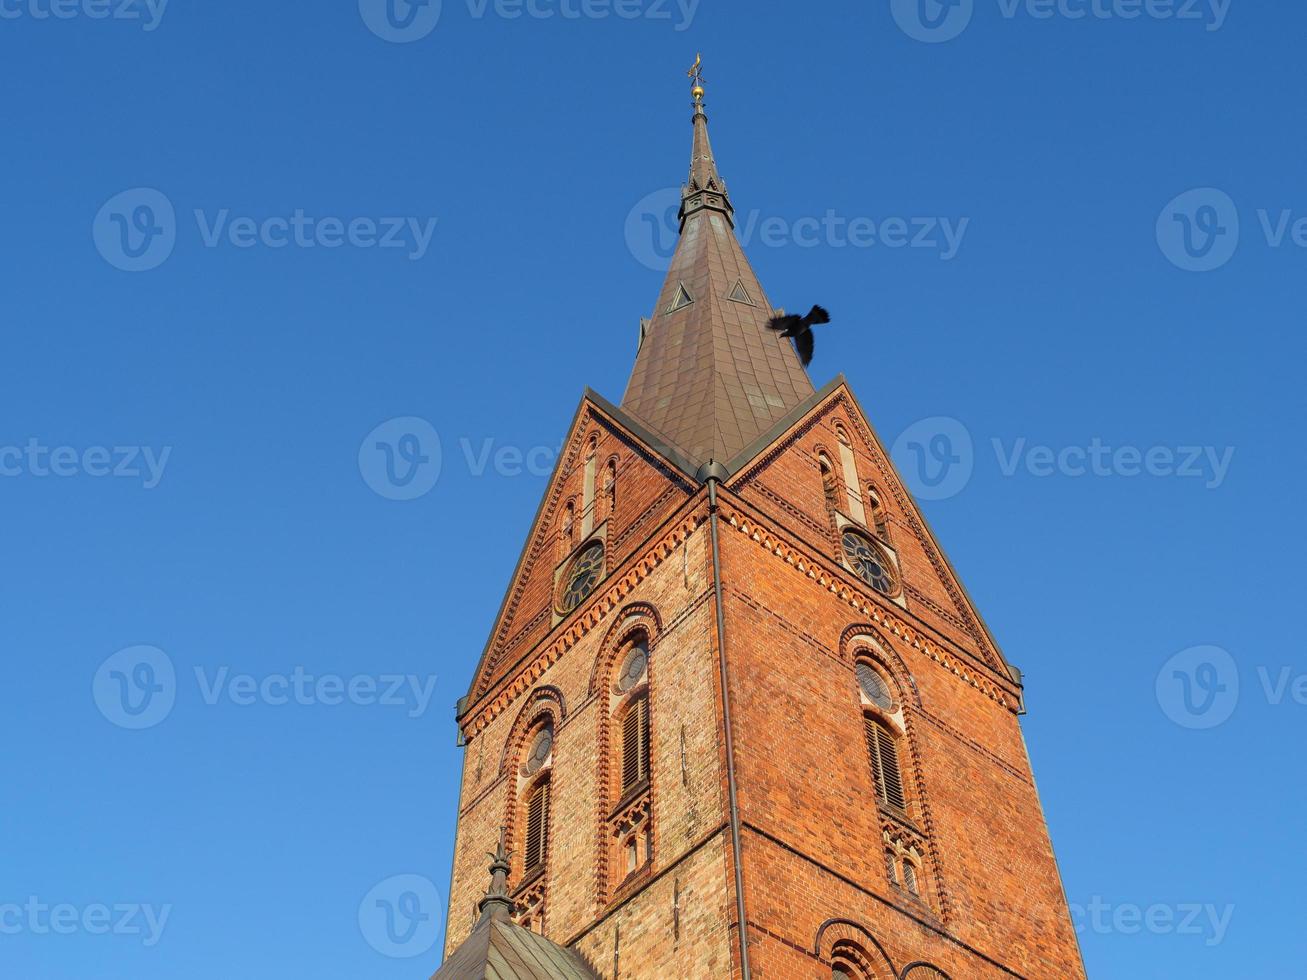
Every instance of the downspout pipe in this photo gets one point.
(712, 473)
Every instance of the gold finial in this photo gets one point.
(696, 75)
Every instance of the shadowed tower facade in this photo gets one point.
(737, 716)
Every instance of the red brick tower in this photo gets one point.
(735, 680)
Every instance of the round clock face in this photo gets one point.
(582, 576)
(869, 562)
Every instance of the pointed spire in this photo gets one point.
(710, 378)
(496, 904)
(705, 187)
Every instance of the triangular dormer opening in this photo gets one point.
(739, 294)
(681, 300)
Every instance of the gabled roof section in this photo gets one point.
(755, 458)
(710, 377)
(521, 620)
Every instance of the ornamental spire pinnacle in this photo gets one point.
(710, 378)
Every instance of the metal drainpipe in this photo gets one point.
(711, 473)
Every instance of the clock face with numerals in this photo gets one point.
(869, 562)
(582, 576)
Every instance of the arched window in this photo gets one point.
(882, 743)
(879, 522)
(610, 489)
(910, 877)
(567, 529)
(630, 826)
(891, 866)
(924, 971)
(536, 762)
(848, 962)
(829, 485)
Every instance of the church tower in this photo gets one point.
(737, 716)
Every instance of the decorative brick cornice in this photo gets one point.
(592, 613)
(820, 572)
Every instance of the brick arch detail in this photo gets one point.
(632, 618)
(544, 700)
(892, 661)
(907, 970)
(847, 932)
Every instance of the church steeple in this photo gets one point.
(710, 378)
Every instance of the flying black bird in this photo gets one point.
(800, 328)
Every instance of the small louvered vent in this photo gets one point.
(537, 817)
(883, 745)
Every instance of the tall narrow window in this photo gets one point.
(828, 485)
(610, 489)
(891, 868)
(537, 822)
(635, 745)
(910, 877)
(883, 745)
(879, 522)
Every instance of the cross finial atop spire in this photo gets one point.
(496, 903)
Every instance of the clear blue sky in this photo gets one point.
(258, 545)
